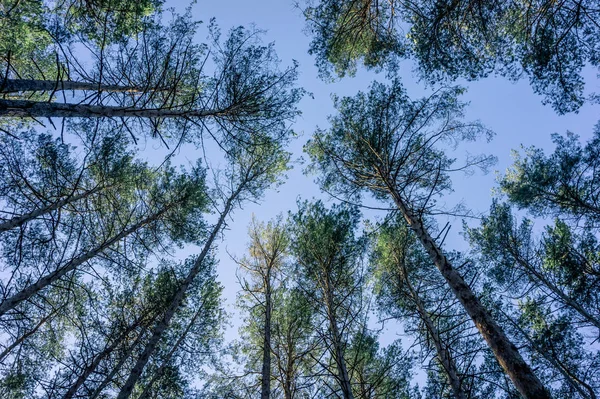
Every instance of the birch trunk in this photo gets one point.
(21, 220)
(526, 382)
(163, 324)
(48, 279)
(25, 109)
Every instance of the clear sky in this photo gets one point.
(511, 109)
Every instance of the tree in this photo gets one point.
(549, 42)
(267, 251)
(253, 169)
(328, 255)
(551, 274)
(563, 184)
(407, 290)
(157, 82)
(388, 146)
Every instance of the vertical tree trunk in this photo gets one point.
(338, 351)
(163, 324)
(265, 391)
(21, 220)
(505, 351)
(48, 279)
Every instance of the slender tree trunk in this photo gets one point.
(443, 354)
(504, 350)
(118, 366)
(163, 324)
(557, 291)
(28, 334)
(266, 363)
(158, 373)
(48, 279)
(25, 109)
(338, 351)
(97, 359)
(17, 85)
(575, 383)
(21, 220)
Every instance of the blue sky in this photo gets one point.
(510, 109)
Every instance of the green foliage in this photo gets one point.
(382, 141)
(548, 42)
(563, 184)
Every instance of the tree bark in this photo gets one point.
(163, 324)
(25, 109)
(48, 279)
(526, 382)
(21, 220)
(20, 85)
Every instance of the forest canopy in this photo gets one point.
(134, 138)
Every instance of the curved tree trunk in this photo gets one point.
(526, 382)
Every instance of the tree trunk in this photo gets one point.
(266, 363)
(25, 109)
(443, 354)
(45, 281)
(23, 337)
(21, 220)
(576, 384)
(163, 324)
(158, 373)
(20, 85)
(97, 359)
(505, 351)
(119, 365)
(338, 351)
